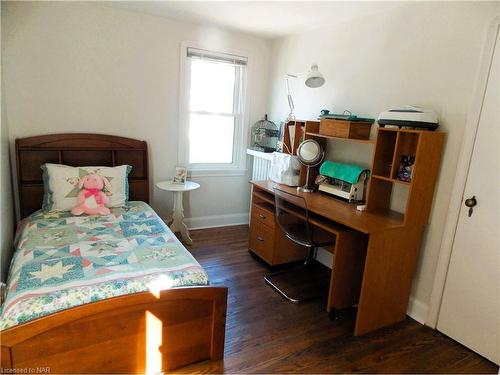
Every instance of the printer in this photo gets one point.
(409, 116)
(346, 181)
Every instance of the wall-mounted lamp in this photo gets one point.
(314, 79)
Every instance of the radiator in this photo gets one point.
(260, 170)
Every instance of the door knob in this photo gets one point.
(471, 202)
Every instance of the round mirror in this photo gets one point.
(309, 152)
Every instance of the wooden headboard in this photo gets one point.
(77, 150)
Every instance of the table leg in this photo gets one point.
(178, 224)
(348, 266)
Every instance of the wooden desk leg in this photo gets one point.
(390, 263)
(347, 273)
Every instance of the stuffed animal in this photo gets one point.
(91, 199)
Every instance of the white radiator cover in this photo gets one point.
(261, 164)
(261, 168)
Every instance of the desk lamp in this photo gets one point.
(313, 80)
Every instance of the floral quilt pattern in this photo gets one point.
(62, 261)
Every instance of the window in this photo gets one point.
(213, 109)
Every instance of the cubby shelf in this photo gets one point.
(391, 180)
(391, 146)
(364, 141)
(402, 130)
(306, 130)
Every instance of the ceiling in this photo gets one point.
(268, 19)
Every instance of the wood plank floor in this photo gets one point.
(264, 334)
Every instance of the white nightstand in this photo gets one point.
(178, 224)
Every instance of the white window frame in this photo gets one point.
(238, 166)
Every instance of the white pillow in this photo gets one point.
(61, 185)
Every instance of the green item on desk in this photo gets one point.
(345, 172)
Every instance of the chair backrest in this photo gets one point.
(292, 217)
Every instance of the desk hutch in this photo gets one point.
(375, 251)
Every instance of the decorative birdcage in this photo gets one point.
(265, 135)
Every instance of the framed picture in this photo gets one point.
(180, 175)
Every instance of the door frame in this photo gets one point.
(471, 128)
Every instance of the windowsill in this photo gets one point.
(217, 172)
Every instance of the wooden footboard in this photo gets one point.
(135, 333)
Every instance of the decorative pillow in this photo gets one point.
(62, 185)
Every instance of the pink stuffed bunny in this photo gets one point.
(91, 199)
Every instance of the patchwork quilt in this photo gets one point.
(62, 261)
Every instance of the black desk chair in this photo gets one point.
(292, 217)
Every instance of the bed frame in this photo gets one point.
(137, 333)
(77, 150)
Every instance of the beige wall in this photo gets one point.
(419, 53)
(6, 201)
(83, 67)
(6, 204)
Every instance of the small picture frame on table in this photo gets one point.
(180, 175)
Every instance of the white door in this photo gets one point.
(470, 309)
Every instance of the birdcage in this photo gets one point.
(265, 135)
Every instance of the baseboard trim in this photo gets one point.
(417, 310)
(215, 221)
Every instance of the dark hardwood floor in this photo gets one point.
(264, 334)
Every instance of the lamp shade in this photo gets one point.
(314, 77)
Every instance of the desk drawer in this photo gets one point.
(262, 241)
(262, 215)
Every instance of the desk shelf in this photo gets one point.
(394, 180)
(310, 130)
(353, 140)
(390, 146)
(263, 196)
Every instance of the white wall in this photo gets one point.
(83, 67)
(419, 53)
(6, 202)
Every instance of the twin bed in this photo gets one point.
(103, 294)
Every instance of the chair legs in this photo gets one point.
(268, 278)
(310, 255)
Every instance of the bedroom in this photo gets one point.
(120, 69)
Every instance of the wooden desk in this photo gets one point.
(338, 211)
(375, 251)
(374, 255)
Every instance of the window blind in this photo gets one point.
(216, 57)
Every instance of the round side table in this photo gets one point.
(178, 224)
